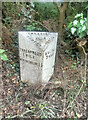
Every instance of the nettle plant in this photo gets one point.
(79, 27)
(3, 56)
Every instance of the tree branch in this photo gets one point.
(41, 24)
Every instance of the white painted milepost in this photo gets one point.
(37, 52)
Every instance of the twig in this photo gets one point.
(75, 96)
(85, 63)
(14, 116)
(64, 104)
(25, 113)
(41, 25)
(21, 114)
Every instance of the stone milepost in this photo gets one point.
(37, 55)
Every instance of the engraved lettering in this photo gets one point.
(31, 62)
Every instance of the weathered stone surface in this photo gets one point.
(37, 55)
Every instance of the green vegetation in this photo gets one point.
(79, 26)
(65, 95)
(3, 55)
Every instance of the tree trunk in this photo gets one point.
(61, 10)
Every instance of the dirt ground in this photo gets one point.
(63, 97)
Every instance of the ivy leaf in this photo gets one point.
(73, 30)
(29, 16)
(75, 22)
(30, 27)
(78, 25)
(70, 25)
(81, 15)
(27, 109)
(1, 51)
(84, 28)
(81, 21)
(80, 30)
(27, 102)
(78, 15)
(3, 57)
(32, 4)
(9, 116)
(73, 66)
